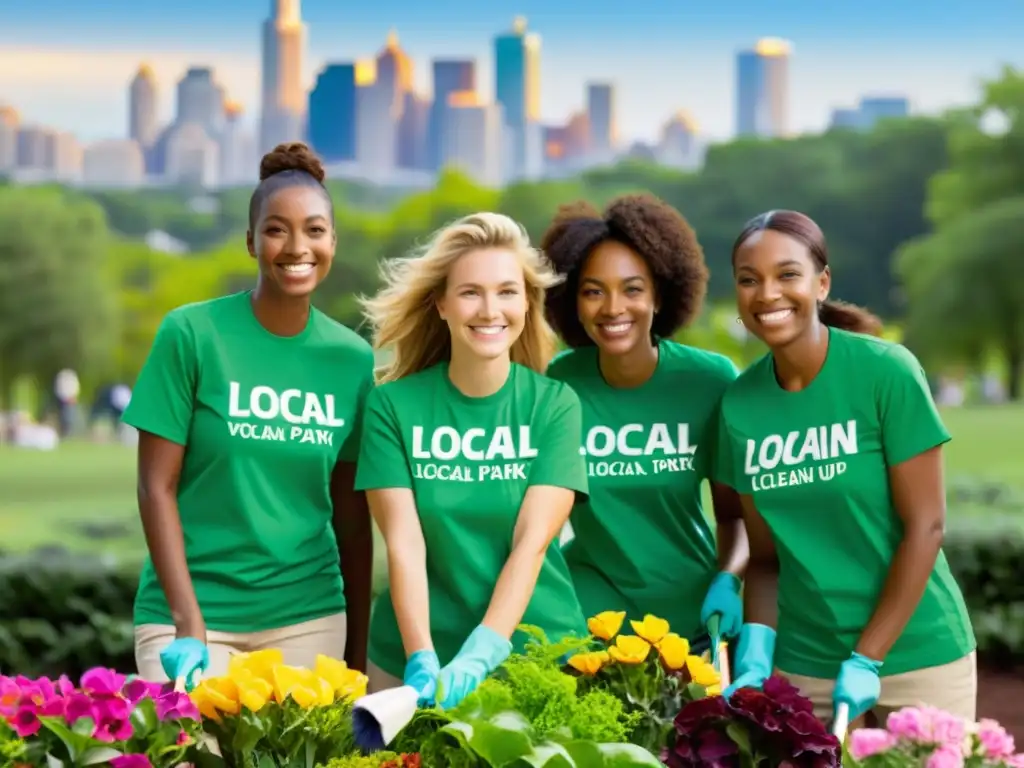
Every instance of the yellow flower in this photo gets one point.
(674, 650)
(629, 649)
(346, 683)
(701, 672)
(254, 693)
(606, 624)
(215, 695)
(258, 663)
(714, 690)
(651, 629)
(589, 663)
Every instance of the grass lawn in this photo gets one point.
(82, 496)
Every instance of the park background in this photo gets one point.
(924, 213)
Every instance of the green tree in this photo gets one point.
(965, 287)
(57, 302)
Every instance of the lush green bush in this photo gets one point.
(60, 614)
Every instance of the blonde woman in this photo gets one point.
(470, 460)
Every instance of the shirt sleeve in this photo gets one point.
(559, 461)
(350, 449)
(382, 459)
(909, 418)
(723, 465)
(163, 399)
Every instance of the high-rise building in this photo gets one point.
(412, 133)
(517, 89)
(114, 163)
(239, 160)
(143, 114)
(762, 89)
(601, 120)
(379, 111)
(332, 112)
(472, 138)
(450, 76)
(678, 146)
(875, 108)
(200, 100)
(9, 122)
(284, 98)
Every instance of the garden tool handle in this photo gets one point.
(181, 684)
(841, 722)
(714, 632)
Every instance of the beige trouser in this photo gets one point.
(379, 679)
(952, 687)
(300, 644)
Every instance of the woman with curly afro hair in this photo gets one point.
(634, 275)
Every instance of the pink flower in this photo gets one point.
(948, 729)
(176, 706)
(908, 724)
(946, 757)
(1016, 761)
(996, 742)
(865, 742)
(183, 739)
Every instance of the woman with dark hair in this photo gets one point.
(635, 275)
(835, 444)
(248, 410)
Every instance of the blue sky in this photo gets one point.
(66, 62)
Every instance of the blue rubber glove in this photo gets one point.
(723, 598)
(858, 685)
(185, 657)
(421, 671)
(754, 656)
(482, 653)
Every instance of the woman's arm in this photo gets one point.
(544, 511)
(394, 510)
(919, 496)
(731, 534)
(761, 587)
(354, 532)
(159, 469)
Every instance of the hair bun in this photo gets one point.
(294, 156)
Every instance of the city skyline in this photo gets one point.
(82, 88)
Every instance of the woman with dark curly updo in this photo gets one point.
(248, 410)
(634, 275)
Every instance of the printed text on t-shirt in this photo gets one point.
(473, 455)
(638, 449)
(310, 417)
(815, 444)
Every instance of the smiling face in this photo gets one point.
(293, 241)
(616, 300)
(485, 303)
(778, 287)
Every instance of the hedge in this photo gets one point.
(61, 614)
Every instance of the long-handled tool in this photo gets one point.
(841, 722)
(715, 632)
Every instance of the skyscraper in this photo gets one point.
(450, 76)
(601, 119)
(762, 89)
(284, 98)
(143, 120)
(517, 89)
(332, 113)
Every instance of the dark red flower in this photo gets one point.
(715, 746)
(786, 695)
(700, 712)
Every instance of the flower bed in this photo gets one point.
(610, 699)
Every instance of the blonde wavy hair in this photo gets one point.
(403, 315)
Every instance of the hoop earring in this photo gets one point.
(739, 321)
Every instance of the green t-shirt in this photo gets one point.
(642, 543)
(264, 419)
(816, 463)
(469, 462)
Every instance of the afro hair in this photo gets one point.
(648, 226)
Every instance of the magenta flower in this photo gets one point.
(25, 722)
(131, 761)
(99, 681)
(182, 739)
(174, 705)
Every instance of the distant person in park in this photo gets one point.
(835, 444)
(66, 390)
(248, 410)
(635, 274)
(470, 460)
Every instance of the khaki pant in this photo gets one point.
(300, 644)
(379, 679)
(951, 687)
